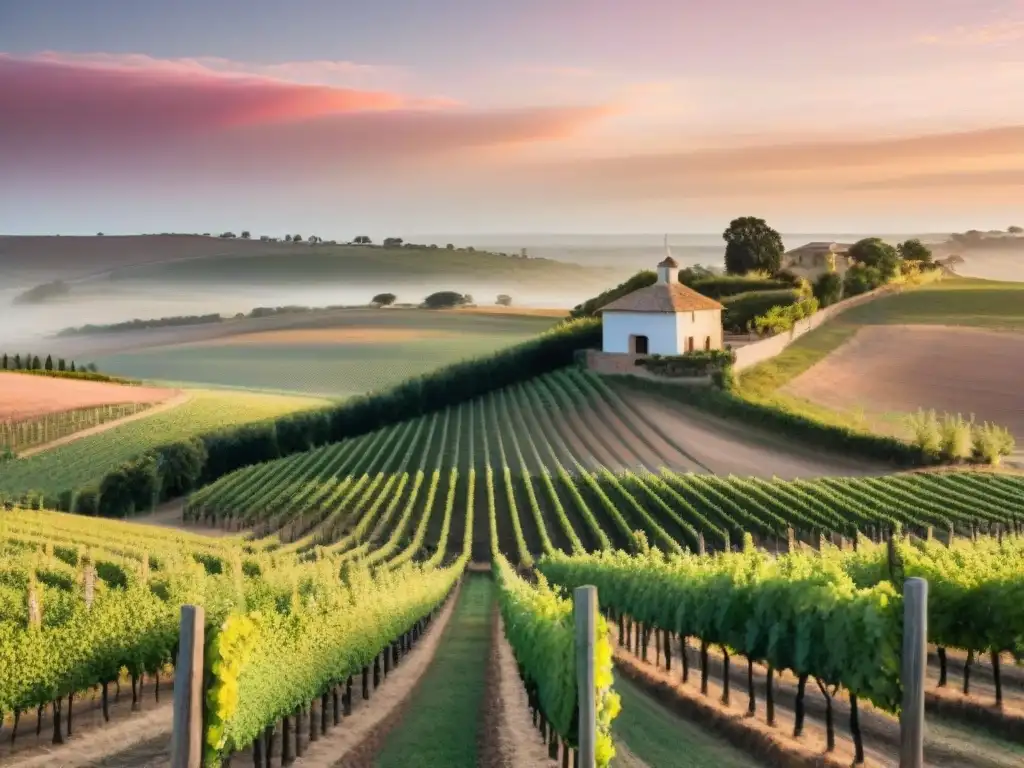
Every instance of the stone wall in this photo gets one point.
(751, 354)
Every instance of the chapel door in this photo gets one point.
(640, 345)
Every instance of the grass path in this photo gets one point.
(441, 729)
(648, 734)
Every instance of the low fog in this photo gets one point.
(29, 324)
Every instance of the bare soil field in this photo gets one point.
(24, 396)
(887, 369)
(724, 447)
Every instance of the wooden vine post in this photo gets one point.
(912, 672)
(585, 614)
(187, 736)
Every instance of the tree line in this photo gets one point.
(33, 363)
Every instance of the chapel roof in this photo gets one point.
(662, 297)
(668, 262)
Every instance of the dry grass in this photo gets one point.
(24, 397)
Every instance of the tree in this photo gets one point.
(861, 278)
(228, 235)
(875, 252)
(73, 366)
(99, 234)
(450, 247)
(914, 250)
(287, 238)
(245, 234)
(444, 300)
(17, 362)
(467, 299)
(504, 300)
(296, 238)
(383, 299)
(750, 244)
(61, 366)
(1015, 230)
(363, 240)
(393, 242)
(36, 365)
(828, 289)
(48, 365)
(3, 362)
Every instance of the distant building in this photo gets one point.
(812, 260)
(666, 318)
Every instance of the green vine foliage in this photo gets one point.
(541, 630)
(800, 611)
(272, 659)
(975, 588)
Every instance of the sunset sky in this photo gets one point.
(478, 116)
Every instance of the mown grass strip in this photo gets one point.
(440, 729)
(657, 737)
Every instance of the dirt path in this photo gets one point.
(519, 744)
(90, 733)
(126, 731)
(179, 399)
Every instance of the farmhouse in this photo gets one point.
(666, 318)
(812, 260)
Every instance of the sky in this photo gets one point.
(403, 117)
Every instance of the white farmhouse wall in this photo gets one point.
(658, 327)
(700, 324)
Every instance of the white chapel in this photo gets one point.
(666, 318)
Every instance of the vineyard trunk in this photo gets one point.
(801, 689)
(858, 740)
(769, 698)
(752, 698)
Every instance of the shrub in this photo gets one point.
(741, 310)
(927, 434)
(725, 378)
(957, 443)
(861, 279)
(828, 289)
(781, 319)
(700, 363)
(991, 442)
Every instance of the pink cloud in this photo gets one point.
(84, 113)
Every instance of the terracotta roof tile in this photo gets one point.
(662, 297)
(668, 262)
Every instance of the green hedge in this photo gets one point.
(723, 286)
(796, 426)
(740, 311)
(82, 375)
(176, 468)
(691, 364)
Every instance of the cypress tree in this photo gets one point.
(48, 365)
(17, 362)
(5, 361)
(36, 365)
(72, 366)
(60, 364)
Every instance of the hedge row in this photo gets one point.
(172, 470)
(741, 310)
(797, 426)
(722, 286)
